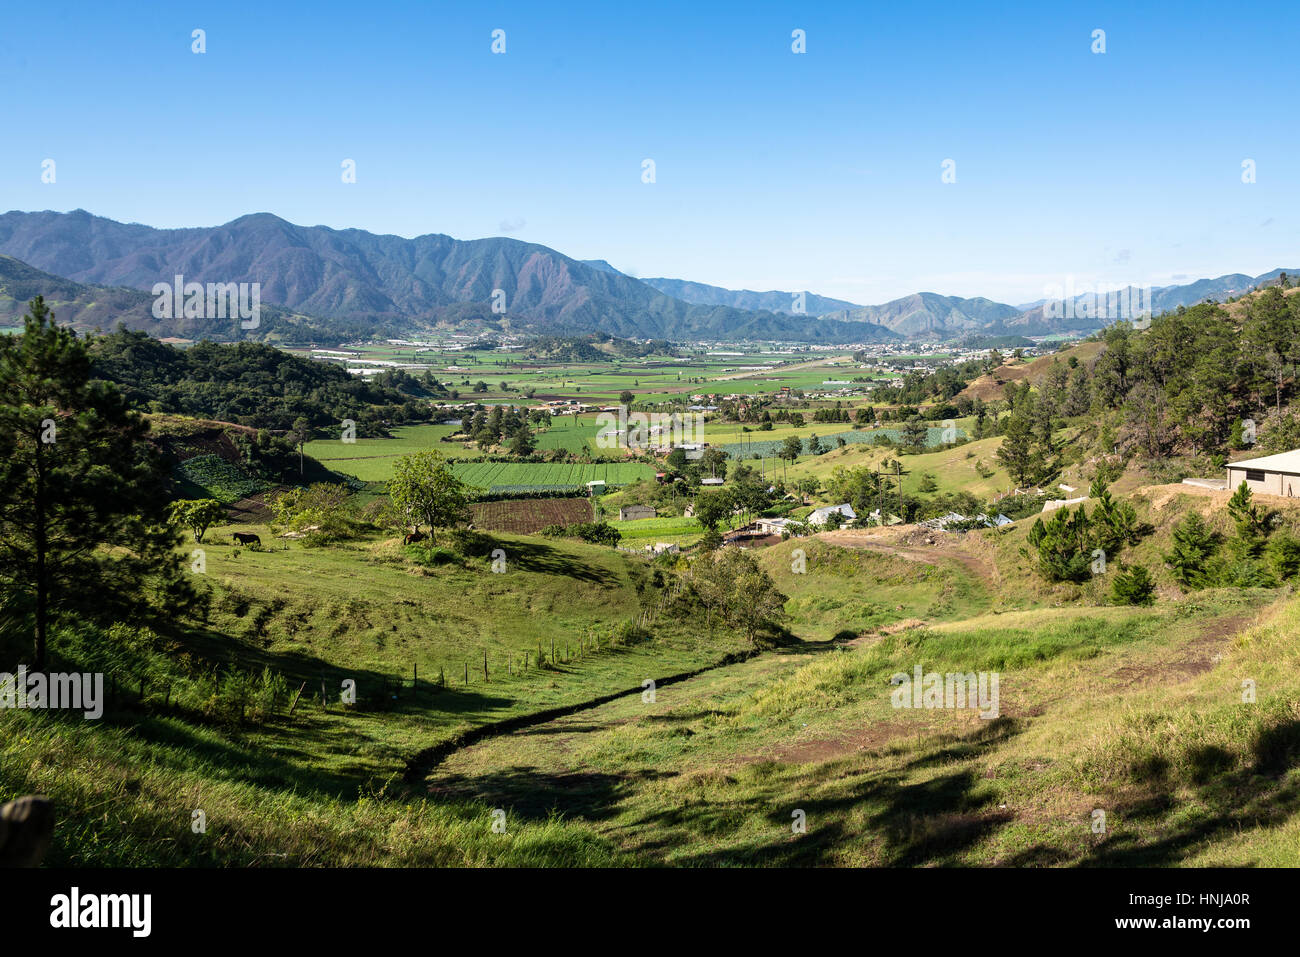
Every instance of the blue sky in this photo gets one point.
(774, 170)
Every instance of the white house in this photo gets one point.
(630, 513)
(772, 526)
(818, 516)
(1053, 504)
(1272, 474)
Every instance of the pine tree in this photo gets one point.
(83, 497)
(1017, 450)
(1133, 586)
(1064, 544)
(1194, 544)
(1250, 521)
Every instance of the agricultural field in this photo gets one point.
(664, 528)
(371, 459)
(828, 439)
(210, 476)
(499, 478)
(651, 377)
(577, 433)
(530, 515)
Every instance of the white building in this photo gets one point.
(818, 516)
(1271, 475)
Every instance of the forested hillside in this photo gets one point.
(1199, 384)
(255, 384)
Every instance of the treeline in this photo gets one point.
(585, 348)
(1199, 380)
(254, 384)
(940, 385)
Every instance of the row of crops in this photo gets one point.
(765, 447)
(214, 477)
(510, 477)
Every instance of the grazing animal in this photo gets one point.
(413, 537)
(246, 539)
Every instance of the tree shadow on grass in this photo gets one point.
(1228, 803)
(533, 794)
(548, 560)
(531, 556)
(927, 823)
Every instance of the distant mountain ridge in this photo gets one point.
(356, 276)
(773, 301)
(73, 302)
(319, 283)
(93, 307)
(928, 314)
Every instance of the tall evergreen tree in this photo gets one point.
(1017, 452)
(83, 497)
(1194, 544)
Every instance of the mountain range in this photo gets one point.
(388, 282)
(319, 283)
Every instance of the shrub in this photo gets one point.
(597, 533)
(1284, 556)
(1194, 546)
(1249, 573)
(1133, 586)
(430, 555)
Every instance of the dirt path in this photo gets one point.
(946, 547)
(419, 766)
(1162, 495)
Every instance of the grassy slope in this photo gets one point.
(1136, 712)
(295, 791)
(952, 470)
(989, 387)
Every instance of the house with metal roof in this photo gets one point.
(1271, 474)
(819, 516)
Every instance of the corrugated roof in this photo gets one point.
(1282, 462)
